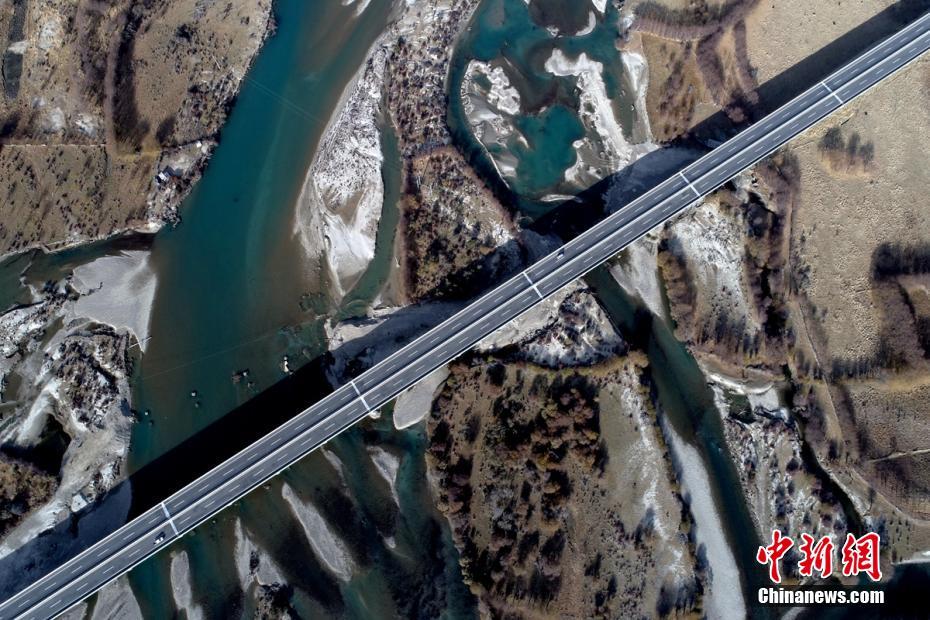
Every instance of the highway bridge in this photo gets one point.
(156, 528)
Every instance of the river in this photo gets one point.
(231, 280)
(232, 275)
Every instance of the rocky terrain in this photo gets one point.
(782, 485)
(64, 381)
(109, 111)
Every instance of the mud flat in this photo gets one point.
(119, 292)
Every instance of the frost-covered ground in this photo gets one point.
(568, 328)
(360, 5)
(712, 244)
(340, 204)
(491, 103)
(642, 477)
(766, 446)
(596, 108)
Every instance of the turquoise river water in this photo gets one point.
(231, 280)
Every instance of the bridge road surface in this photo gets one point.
(136, 540)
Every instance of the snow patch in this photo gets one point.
(592, 22)
(19, 47)
(336, 464)
(28, 431)
(50, 33)
(362, 5)
(387, 465)
(87, 124)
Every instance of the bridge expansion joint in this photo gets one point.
(533, 284)
(170, 519)
(832, 92)
(359, 394)
(685, 179)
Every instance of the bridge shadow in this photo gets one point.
(310, 383)
(240, 427)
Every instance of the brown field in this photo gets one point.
(104, 96)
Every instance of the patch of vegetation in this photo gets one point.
(846, 155)
(23, 488)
